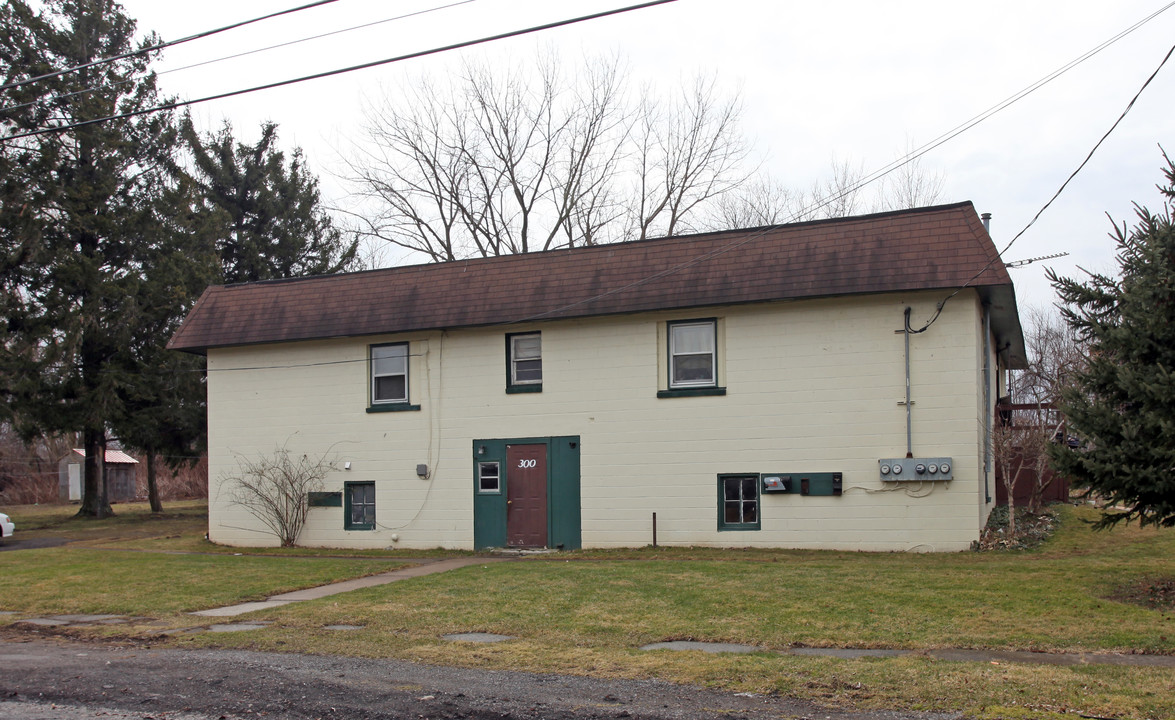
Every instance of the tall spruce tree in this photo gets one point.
(1122, 405)
(76, 218)
(164, 414)
(262, 213)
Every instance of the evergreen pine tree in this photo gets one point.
(263, 214)
(75, 219)
(1121, 406)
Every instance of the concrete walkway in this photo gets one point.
(425, 568)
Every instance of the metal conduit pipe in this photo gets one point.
(909, 419)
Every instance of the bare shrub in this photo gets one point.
(28, 470)
(275, 489)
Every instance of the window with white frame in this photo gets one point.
(389, 373)
(489, 477)
(693, 354)
(524, 362)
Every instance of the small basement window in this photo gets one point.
(489, 478)
(360, 511)
(738, 502)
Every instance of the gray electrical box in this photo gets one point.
(925, 469)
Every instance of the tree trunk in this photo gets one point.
(152, 487)
(1011, 513)
(95, 503)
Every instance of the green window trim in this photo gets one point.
(352, 491)
(392, 407)
(513, 384)
(691, 392)
(739, 502)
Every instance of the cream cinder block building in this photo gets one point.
(818, 385)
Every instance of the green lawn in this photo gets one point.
(588, 613)
(105, 568)
(87, 580)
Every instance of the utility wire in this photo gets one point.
(1098, 144)
(85, 91)
(763, 231)
(340, 71)
(882, 172)
(993, 110)
(760, 233)
(160, 46)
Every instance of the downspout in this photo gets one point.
(988, 410)
(909, 420)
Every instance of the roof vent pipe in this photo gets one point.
(986, 218)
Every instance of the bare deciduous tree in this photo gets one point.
(275, 489)
(1055, 354)
(1007, 449)
(847, 190)
(760, 201)
(28, 469)
(1020, 443)
(909, 186)
(688, 152)
(509, 160)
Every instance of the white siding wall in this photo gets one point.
(812, 386)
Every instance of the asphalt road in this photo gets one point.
(52, 679)
(16, 542)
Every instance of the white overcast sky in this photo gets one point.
(853, 80)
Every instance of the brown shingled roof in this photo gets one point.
(922, 249)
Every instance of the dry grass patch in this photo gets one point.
(582, 614)
(1152, 593)
(588, 613)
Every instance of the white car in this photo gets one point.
(6, 526)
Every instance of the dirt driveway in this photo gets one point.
(55, 679)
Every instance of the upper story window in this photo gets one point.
(524, 362)
(693, 354)
(389, 373)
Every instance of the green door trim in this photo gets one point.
(563, 491)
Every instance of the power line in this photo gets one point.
(993, 110)
(1098, 144)
(160, 46)
(85, 91)
(763, 231)
(340, 71)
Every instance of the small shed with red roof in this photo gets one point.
(121, 481)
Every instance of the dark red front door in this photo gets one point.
(526, 495)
